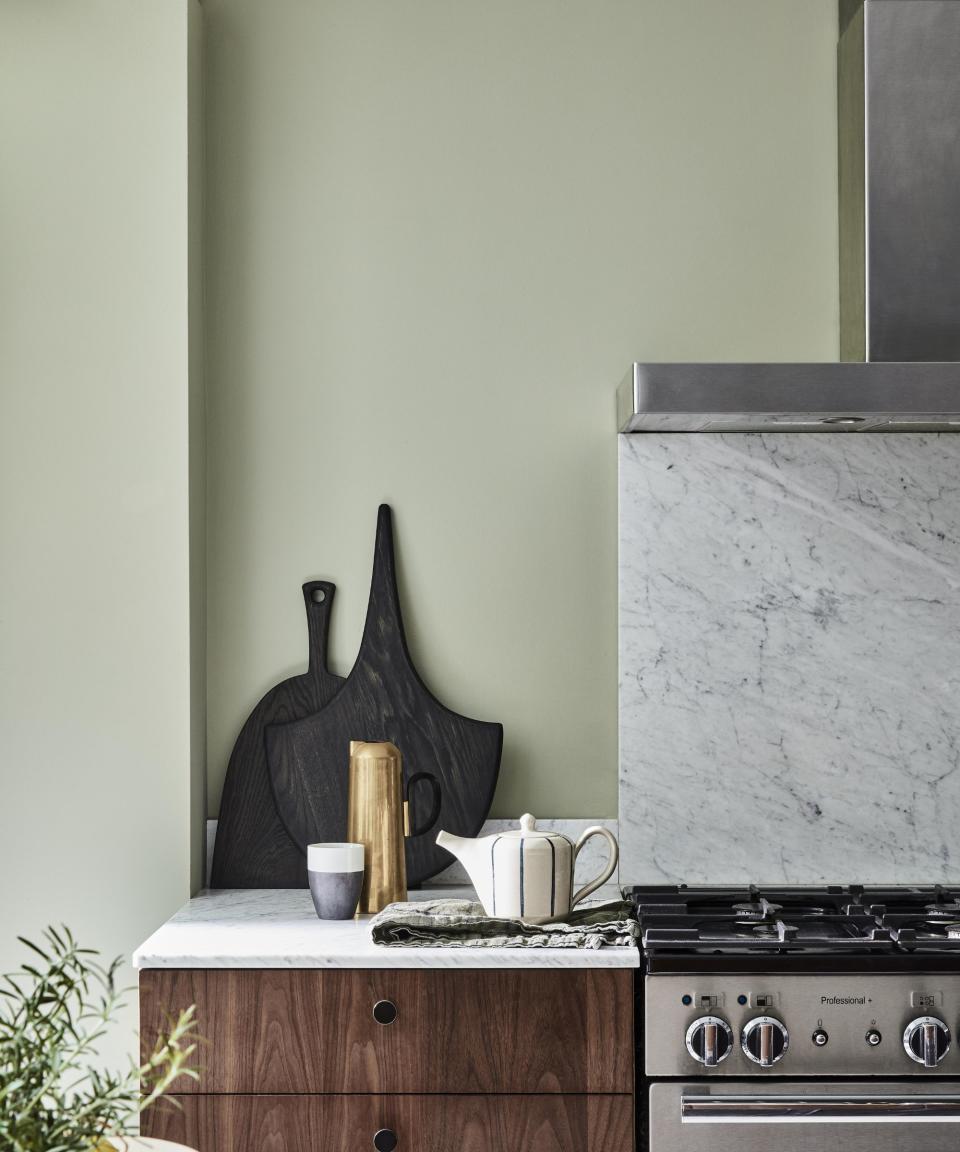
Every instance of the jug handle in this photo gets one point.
(434, 815)
(597, 830)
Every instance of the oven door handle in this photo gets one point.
(817, 1109)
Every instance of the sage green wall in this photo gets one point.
(438, 234)
(95, 708)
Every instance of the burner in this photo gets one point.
(943, 911)
(760, 909)
(924, 934)
(738, 930)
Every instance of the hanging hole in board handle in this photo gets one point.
(318, 595)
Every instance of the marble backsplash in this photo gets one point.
(789, 638)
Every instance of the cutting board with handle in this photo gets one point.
(384, 699)
(253, 849)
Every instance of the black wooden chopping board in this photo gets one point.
(384, 699)
(253, 849)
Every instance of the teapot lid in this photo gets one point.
(528, 827)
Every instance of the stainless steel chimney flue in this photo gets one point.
(899, 203)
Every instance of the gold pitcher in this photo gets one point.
(378, 817)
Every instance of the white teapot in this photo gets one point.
(527, 874)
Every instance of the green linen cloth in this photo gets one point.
(464, 924)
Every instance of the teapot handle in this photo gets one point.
(597, 830)
(434, 814)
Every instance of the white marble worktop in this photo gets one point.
(278, 928)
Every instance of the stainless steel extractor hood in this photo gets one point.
(899, 197)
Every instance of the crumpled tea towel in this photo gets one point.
(464, 924)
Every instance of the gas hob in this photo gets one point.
(834, 920)
(833, 981)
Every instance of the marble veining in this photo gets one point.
(278, 928)
(789, 638)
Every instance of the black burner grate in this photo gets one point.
(831, 919)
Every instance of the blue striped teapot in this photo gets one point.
(527, 874)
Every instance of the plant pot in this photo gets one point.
(140, 1144)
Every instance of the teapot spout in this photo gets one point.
(451, 843)
(474, 855)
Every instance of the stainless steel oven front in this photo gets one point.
(800, 1116)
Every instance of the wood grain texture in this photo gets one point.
(421, 1123)
(485, 1031)
(384, 699)
(253, 849)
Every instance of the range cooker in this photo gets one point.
(801, 1019)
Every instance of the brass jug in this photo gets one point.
(378, 817)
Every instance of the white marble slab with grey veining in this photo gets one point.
(790, 658)
(278, 928)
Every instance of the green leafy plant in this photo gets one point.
(54, 1012)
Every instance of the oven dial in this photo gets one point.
(764, 1040)
(709, 1040)
(926, 1040)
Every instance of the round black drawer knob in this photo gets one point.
(385, 1012)
(385, 1140)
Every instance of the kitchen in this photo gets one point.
(434, 239)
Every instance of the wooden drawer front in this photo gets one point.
(303, 1030)
(421, 1123)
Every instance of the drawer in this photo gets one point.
(420, 1123)
(304, 1030)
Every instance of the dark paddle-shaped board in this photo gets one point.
(253, 849)
(384, 699)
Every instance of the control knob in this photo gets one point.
(709, 1040)
(764, 1040)
(926, 1040)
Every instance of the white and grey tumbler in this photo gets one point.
(335, 872)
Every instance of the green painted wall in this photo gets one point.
(438, 234)
(96, 826)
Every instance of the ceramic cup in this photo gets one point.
(335, 872)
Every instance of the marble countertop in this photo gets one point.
(278, 928)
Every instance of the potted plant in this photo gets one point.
(53, 1095)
